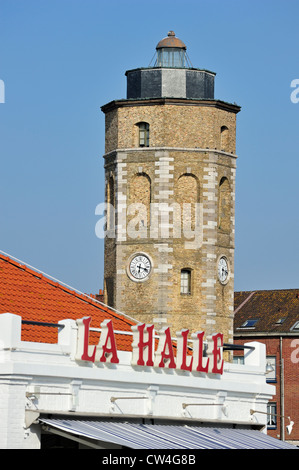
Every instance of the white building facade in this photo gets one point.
(44, 389)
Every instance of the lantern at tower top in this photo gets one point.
(171, 52)
(172, 75)
(171, 41)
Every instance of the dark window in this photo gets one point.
(143, 134)
(185, 281)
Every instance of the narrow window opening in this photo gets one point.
(143, 134)
(224, 205)
(272, 413)
(186, 281)
(271, 369)
(111, 205)
(224, 139)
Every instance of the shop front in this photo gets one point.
(158, 395)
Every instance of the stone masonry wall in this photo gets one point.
(176, 163)
(171, 125)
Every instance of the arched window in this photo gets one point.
(224, 205)
(143, 138)
(138, 211)
(110, 204)
(187, 196)
(186, 281)
(224, 139)
(140, 189)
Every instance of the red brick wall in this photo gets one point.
(290, 355)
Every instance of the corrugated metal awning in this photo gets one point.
(161, 436)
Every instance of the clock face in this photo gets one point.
(140, 267)
(223, 269)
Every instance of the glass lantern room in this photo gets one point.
(171, 52)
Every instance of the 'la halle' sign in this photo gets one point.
(143, 350)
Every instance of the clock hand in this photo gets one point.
(141, 267)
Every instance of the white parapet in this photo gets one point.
(46, 378)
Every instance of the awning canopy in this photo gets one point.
(161, 436)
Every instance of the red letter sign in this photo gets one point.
(83, 348)
(182, 337)
(164, 355)
(105, 352)
(140, 344)
(217, 353)
(200, 364)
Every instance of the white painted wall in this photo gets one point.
(36, 378)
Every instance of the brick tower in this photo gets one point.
(170, 189)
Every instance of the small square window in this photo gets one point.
(279, 321)
(249, 323)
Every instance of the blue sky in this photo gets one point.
(61, 60)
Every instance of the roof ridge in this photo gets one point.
(63, 286)
(266, 290)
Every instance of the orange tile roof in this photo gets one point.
(36, 297)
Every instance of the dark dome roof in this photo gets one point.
(171, 41)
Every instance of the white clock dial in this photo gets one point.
(223, 269)
(140, 267)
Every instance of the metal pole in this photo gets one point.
(282, 422)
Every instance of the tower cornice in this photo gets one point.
(169, 101)
(171, 68)
(168, 149)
